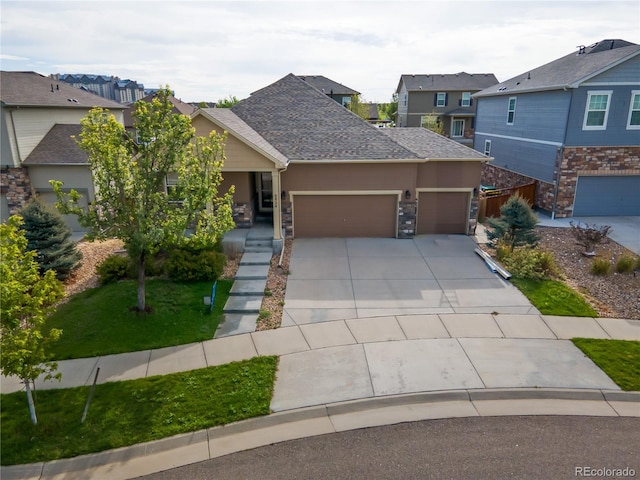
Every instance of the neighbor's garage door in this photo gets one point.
(345, 215)
(607, 195)
(442, 212)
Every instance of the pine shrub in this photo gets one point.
(50, 237)
(516, 224)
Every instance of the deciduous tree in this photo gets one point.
(151, 190)
(27, 299)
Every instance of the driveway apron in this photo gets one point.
(334, 279)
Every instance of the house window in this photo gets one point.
(346, 101)
(487, 147)
(596, 110)
(511, 111)
(404, 98)
(466, 99)
(457, 128)
(441, 99)
(171, 188)
(432, 122)
(634, 111)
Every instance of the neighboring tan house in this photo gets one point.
(39, 116)
(444, 100)
(335, 90)
(574, 126)
(315, 169)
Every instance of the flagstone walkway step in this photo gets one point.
(236, 324)
(252, 272)
(256, 258)
(243, 304)
(248, 287)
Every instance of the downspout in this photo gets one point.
(280, 213)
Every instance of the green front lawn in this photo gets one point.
(134, 411)
(620, 359)
(551, 297)
(100, 321)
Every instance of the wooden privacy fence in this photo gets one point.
(492, 200)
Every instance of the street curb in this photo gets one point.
(142, 459)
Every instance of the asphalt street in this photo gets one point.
(540, 447)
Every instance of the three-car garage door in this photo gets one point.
(442, 212)
(607, 195)
(345, 215)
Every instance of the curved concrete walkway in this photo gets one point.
(347, 374)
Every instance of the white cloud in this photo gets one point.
(208, 50)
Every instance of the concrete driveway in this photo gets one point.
(335, 278)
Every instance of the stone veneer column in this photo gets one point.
(243, 215)
(407, 219)
(16, 185)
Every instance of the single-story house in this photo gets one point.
(314, 169)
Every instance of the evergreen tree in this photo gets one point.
(515, 225)
(50, 237)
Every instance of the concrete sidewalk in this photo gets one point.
(525, 337)
(347, 374)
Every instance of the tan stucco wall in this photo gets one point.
(239, 156)
(399, 176)
(242, 182)
(449, 174)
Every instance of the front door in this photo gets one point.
(264, 185)
(457, 128)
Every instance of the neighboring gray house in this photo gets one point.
(39, 116)
(335, 90)
(573, 125)
(441, 99)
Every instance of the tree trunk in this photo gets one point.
(32, 408)
(141, 278)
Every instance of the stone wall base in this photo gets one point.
(15, 184)
(243, 215)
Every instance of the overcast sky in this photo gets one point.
(209, 49)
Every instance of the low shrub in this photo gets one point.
(600, 266)
(530, 263)
(625, 264)
(113, 269)
(191, 265)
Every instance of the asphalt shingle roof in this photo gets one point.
(427, 144)
(304, 124)
(567, 71)
(327, 86)
(447, 82)
(58, 148)
(30, 89)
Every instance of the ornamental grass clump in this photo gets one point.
(600, 266)
(625, 264)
